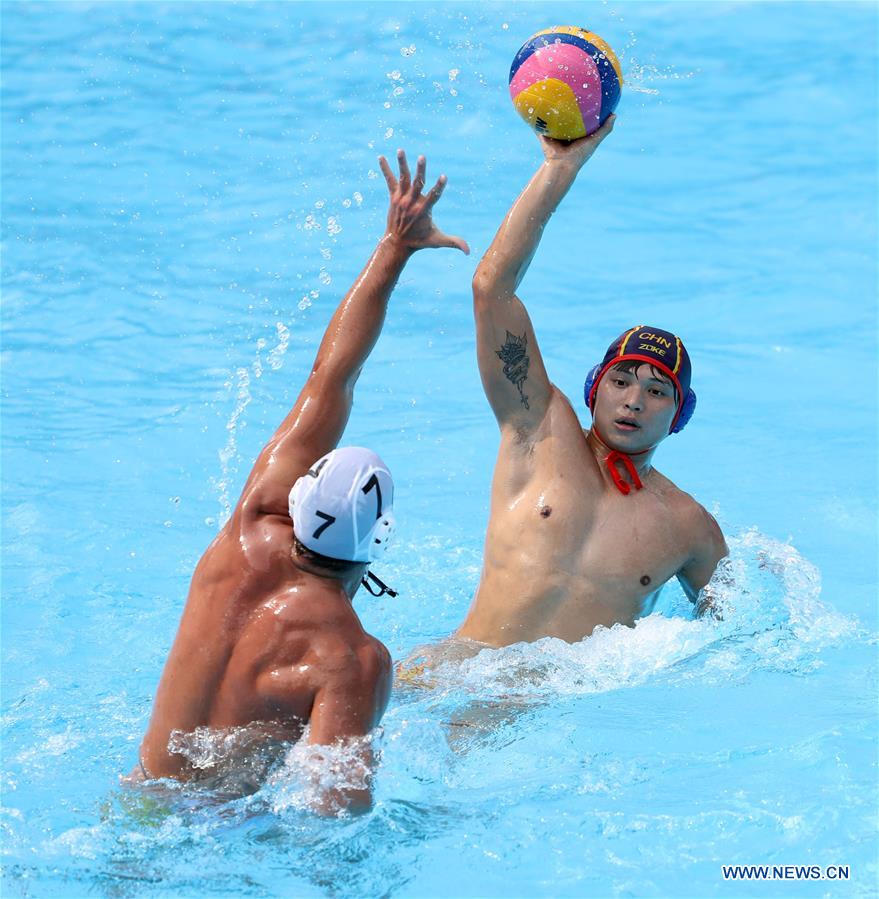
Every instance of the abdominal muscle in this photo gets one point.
(526, 601)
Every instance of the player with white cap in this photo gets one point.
(342, 507)
(269, 639)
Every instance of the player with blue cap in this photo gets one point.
(583, 530)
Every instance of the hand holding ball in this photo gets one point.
(565, 82)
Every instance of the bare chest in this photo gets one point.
(563, 531)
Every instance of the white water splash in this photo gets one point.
(640, 77)
(276, 355)
(313, 777)
(228, 454)
(773, 619)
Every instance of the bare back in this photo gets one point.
(258, 640)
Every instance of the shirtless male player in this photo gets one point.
(583, 530)
(269, 637)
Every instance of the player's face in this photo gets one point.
(634, 410)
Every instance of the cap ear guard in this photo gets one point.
(382, 534)
(590, 381)
(686, 413)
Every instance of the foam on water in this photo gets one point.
(772, 618)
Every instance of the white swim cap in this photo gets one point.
(342, 507)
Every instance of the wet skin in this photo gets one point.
(565, 550)
(266, 635)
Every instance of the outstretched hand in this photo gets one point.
(576, 151)
(409, 216)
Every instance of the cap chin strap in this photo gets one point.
(610, 460)
(613, 458)
(383, 588)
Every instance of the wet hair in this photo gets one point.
(338, 566)
(631, 366)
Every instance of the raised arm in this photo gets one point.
(318, 418)
(510, 364)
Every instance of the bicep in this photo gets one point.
(313, 427)
(510, 364)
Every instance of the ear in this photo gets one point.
(687, 411)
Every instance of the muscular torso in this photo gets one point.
(259, 637)
(565, 551)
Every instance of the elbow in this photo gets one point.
(491, 282)
(486, 279)
(482, 283)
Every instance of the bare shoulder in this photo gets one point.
(375, 659)
(694, 520)
(351, 658)
(704, 527)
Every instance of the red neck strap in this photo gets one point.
(610, 460)
(614, 456)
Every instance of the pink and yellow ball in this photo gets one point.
(565, 82)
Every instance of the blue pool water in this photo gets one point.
(187, 191)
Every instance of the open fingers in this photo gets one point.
(389, 175)
(436, 191)
(405, 177)
(420, 171)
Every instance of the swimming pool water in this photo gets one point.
(187, 191)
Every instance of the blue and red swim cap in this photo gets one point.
(658, 348)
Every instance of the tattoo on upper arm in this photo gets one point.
(516, 362)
